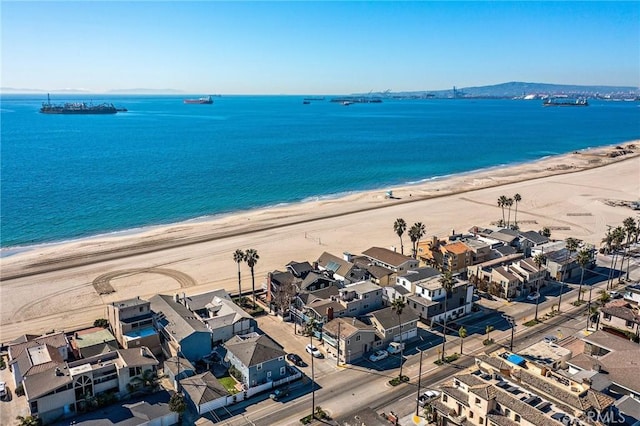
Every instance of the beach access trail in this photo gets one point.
(64, 286)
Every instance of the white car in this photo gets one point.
(533, 296)
(427, 396)
(550, 339)
(313, 351)
(378, 355)
(3, 390)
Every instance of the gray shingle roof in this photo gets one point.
(388, 318)
(203, 388)
(387, 256)
(419, 274)
(179, 321)
(254, 349)
(534, 237)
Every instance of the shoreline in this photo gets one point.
(430, 188)
(57, 287)
(9, 251)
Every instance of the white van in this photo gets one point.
(395, 347)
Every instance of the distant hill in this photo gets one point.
(142, 91)
(17, 90)
(520, 89)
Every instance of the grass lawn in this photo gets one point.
(229, 383)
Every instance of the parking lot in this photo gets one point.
(11, 406)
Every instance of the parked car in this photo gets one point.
(395, 347)
(313, 351)
(550, 339)
(378, 355)
(427, 396)
(279, 393)
(533, 296)
(296, 360)
(615, 294)
(3, 390)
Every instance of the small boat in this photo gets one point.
(201, 101)
(306, 102)
(346, 103)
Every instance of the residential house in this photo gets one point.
(428, 301)
(299, 269)
(390, 259)
(204, 393)
(360, 298)
(33, 354)
(343, 269)
(453, 257)
(609, 362)
(529, 239)
(280, 285)
(67, 389)
(220, 314)
(177, 368)
(507, 284)
(480, 251)
(620, 317)
(131, 322)
(391, 293)
(348, 337)
(317, 280)
(482, 271)
(393, 328)
(93, 341)
(182, 332)
(257, 358)
(414, 277)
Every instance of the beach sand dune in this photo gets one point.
(67, 285)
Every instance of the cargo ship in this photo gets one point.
(204, 100)
(580, 102)
(79, 108)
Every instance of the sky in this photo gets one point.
(329, 47)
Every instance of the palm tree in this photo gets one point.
(397, 306)
(238, 257)
(630, 228)
(509, 203)
(608, 246)
(399, 226)
(251, 257)
(516, 198)
(462, 333)
(539, 260)
(572, 245)
(28, 421)
(583, 258)
(502, 202)
(177, 404)
(488, 330)
(618, 238)
(415, 233)
(447, 282)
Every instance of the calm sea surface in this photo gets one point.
(66, 177)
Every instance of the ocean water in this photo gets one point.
(67, 177)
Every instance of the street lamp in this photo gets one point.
(512, 323)
(419, 382)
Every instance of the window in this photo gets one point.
(445, 398)
(34, 407)
(280, 358)
(470, 414)
(268, 374)
(507, 412)
(358, 338)
(135, 371)
(517, 418)
(607, 317)
(348, 341)
(259, 367)
(283, 370)
(141, 309)
(629, 324)
(481, 420)
(478, 401)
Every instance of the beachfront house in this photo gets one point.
(620, 317)
(131, 322)
(204, 393)
(390, 259)
(30, 354)
(92, 341)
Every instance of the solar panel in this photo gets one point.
(333, 266)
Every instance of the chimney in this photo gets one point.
(315, 266)
(434, 242)
(347, 256)
(177, 298)
(58, 371)
(329, 313)
(353, 321)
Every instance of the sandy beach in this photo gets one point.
(54, 287)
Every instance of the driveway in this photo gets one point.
(13, 405)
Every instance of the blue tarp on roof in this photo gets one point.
(516, 359)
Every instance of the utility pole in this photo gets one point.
(419, 381)
(338, 344)
(512, 323)
(313, 385)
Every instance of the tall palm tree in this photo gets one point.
(399, 226)
(618, 238)
(462, 333)
(583, 258)
(502, 202)
(630, 228)
(416, 232)
(539, 260)
(488, 329)
(509, 203)
(238, 257)
(397, 306)
(251, 257)
(516, 198)
(572, 245)
(607, 241)
(447, 282)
